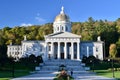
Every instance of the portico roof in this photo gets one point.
(63, 34)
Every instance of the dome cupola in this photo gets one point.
(62, 22)
(62, 16)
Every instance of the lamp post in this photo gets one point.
(92, 61)
(112, 65)
(13, 69)
(109, 62)
(13, 65)
(113, 68)
(104, 49)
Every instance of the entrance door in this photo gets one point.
(62, 55)
(55, 56)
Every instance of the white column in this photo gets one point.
(78, 50)
(46, 51)
(72, 50)
(51, 49)
(94, 51)
(65, 50)
(58, 55)
(87, 51)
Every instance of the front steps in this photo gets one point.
(50, 68)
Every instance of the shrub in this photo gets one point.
(63, 76)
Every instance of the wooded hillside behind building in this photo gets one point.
(89, 30)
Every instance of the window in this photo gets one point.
(62, 28)
(9, 53)
(96, 49)
(66, 28)
(41, 49)
(58, 28)
(49, 48)
(75, 56)
(26, 49)
(97, 56)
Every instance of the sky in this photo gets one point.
(37, 12)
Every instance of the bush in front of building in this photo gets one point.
(63, 75)
(31, 62)
(90, 60)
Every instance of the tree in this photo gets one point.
(118, 47)
(112, 50)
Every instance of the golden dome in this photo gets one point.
(62, 16)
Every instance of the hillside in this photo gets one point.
(89, 30)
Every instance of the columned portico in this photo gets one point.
(62, 43)
(63, 50)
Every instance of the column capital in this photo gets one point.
(59, 42)
(78, 42)
(52, 42)
(65, 42)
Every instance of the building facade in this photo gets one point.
(61, 44)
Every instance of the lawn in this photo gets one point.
(104, 68)
(4, 78)
(6, 72)
(109, 74)
(21, 67)
(6, 75)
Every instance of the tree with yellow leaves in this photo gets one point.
(112, 51)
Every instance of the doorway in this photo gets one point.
(62, 55)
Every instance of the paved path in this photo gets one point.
(78, 75)
(51, 67)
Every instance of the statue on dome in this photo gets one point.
(62, 10)
(98, 38)
(11, 43)
(25, 38)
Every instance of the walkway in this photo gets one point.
(83, 75)
(50, 69)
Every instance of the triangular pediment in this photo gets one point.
(63, 34)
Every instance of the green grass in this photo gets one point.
(6, 75)
(103, 68)
(20, 70)
(4, 78)
(109, 74)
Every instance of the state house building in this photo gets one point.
(61, 44)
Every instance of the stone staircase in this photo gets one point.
(50, 68)
(54, 65)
